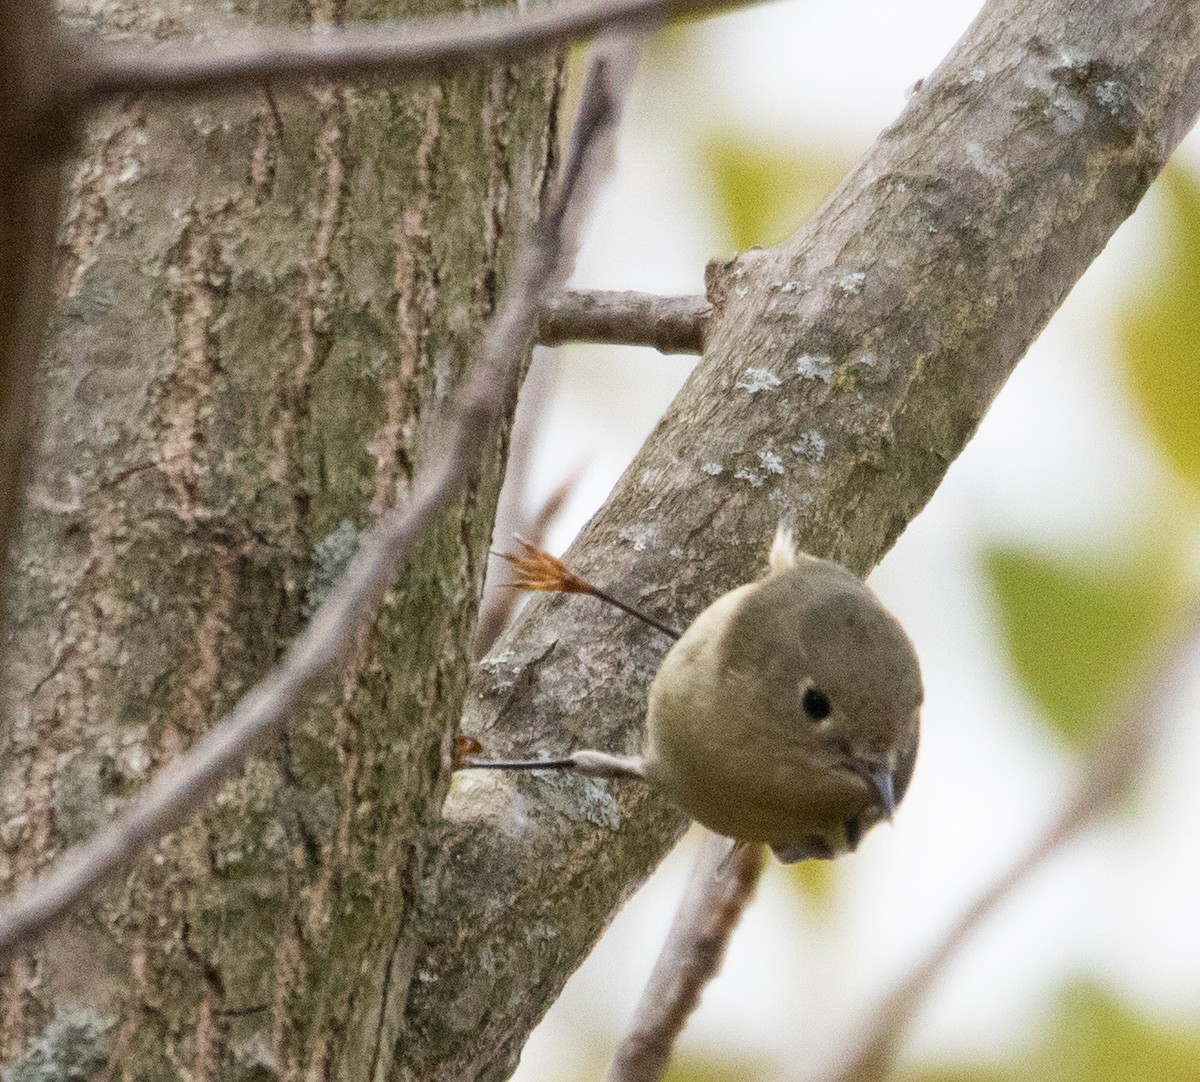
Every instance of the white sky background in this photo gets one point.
(1055, 463)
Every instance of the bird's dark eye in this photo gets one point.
(816, 704)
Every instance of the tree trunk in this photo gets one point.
(264, 306)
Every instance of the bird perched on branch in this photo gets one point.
(787, 713)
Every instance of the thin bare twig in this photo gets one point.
(624, 317)
(1113, 767)
(403, 51)
(722, 884)
(184, 785)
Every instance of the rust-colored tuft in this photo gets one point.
(535, 569)
(465, 748)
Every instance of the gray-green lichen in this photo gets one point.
(331, 556)
(72, 1048)
(256, 1061)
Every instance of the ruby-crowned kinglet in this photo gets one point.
(787, 713)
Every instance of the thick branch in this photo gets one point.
(843, 372)
(627, 318)
(400, 51)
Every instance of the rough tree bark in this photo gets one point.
(263, 308)
(843, 372)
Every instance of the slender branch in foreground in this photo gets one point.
(187, 782)
(1114, 766)
(624, 317)
(722, 884)
(402, 51)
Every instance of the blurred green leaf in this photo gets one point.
(1159, 332)
(964, 1074)
(814, 880)
(765, 191)
(1097, 1038)
(1075, 629)
(1091, 1037)
(693, 1068)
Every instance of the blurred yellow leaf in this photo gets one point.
(1159, 332)
(766, 191)
(1074, 629)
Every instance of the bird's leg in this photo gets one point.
(534, 569)
(592, 764)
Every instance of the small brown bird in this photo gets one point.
(787, 713)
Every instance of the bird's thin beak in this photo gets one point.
(886, 787)
(881, 778)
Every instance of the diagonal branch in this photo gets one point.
(722, 884)
(843, 372)
(400, 51)
(192, 778)
(1112, 770)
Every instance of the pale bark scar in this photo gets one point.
(198, 275)
(97, 181)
